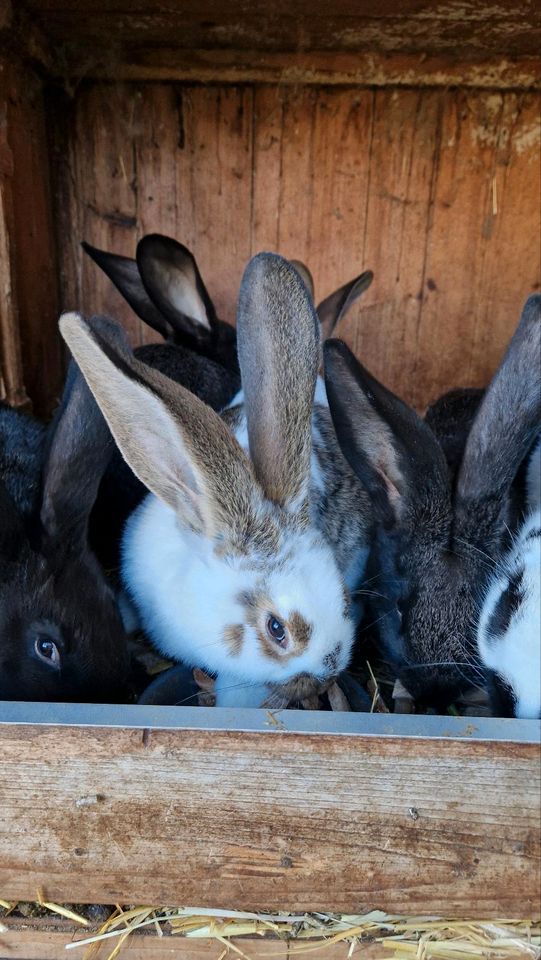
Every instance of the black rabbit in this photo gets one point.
(61, 637)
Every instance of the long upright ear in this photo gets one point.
(394, 454)
(178, 447)
(78, 448)
(173, 282)
(331, 310)
(278, 346)
(508, 418)
(124, 273)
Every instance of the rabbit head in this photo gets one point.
(435, 542)
(223, 562)
(62, 639)
(509, 631)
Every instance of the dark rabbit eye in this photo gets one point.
(47, 650)
(276, 630)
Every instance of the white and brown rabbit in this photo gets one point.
(244, 556)
(509, 630)
(443, 508)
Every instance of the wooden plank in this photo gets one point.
(12, 388)
(463, 327)
(341, 139)
(32, 238)
(94, 159)
(368, 69)
(39, 944)
(382, 328)
(510, 27)
(270, 820)
(214, 186)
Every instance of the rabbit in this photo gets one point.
(437, 535)
(61, 634)
(509, 630)
(164, 287)
(241, 564)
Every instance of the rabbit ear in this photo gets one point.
(78, 449)
(124, 273)
(508, 418)
(336, 305)
(178, 447)
(394, 454)
(278, 346)
(173, 282)
(304, 272)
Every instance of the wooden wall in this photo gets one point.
(30, 355)
(437, 191)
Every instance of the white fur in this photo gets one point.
(186, 596)
(516, 656)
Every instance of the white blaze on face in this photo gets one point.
(509, 633)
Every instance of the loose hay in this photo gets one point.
(422, 938)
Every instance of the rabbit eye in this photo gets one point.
(276, 630)
(47, 650)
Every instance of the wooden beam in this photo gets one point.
(12, 388)
(270, 820)
(332, 68)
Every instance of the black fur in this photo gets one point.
(51, 586)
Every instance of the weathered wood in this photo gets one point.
(311, 69)
(400, 181)
(11, 373)
(42, 944)
(32, 237)
(269, 820)
(99, 30)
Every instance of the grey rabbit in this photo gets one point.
(61, 634)
(441, 526)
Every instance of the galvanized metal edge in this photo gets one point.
(264, 721)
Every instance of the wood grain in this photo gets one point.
(416, 26)
(35, 265)
(42, 944)
(399, 180)
(270, 821)
(30, 357)
(294, 68)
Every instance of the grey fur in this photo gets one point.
(434, 549)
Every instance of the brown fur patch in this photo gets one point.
(300, 631)
(258, 607)
(234, 636)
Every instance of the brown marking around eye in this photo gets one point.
(300, 631)
(234, 636)
(257, 608)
